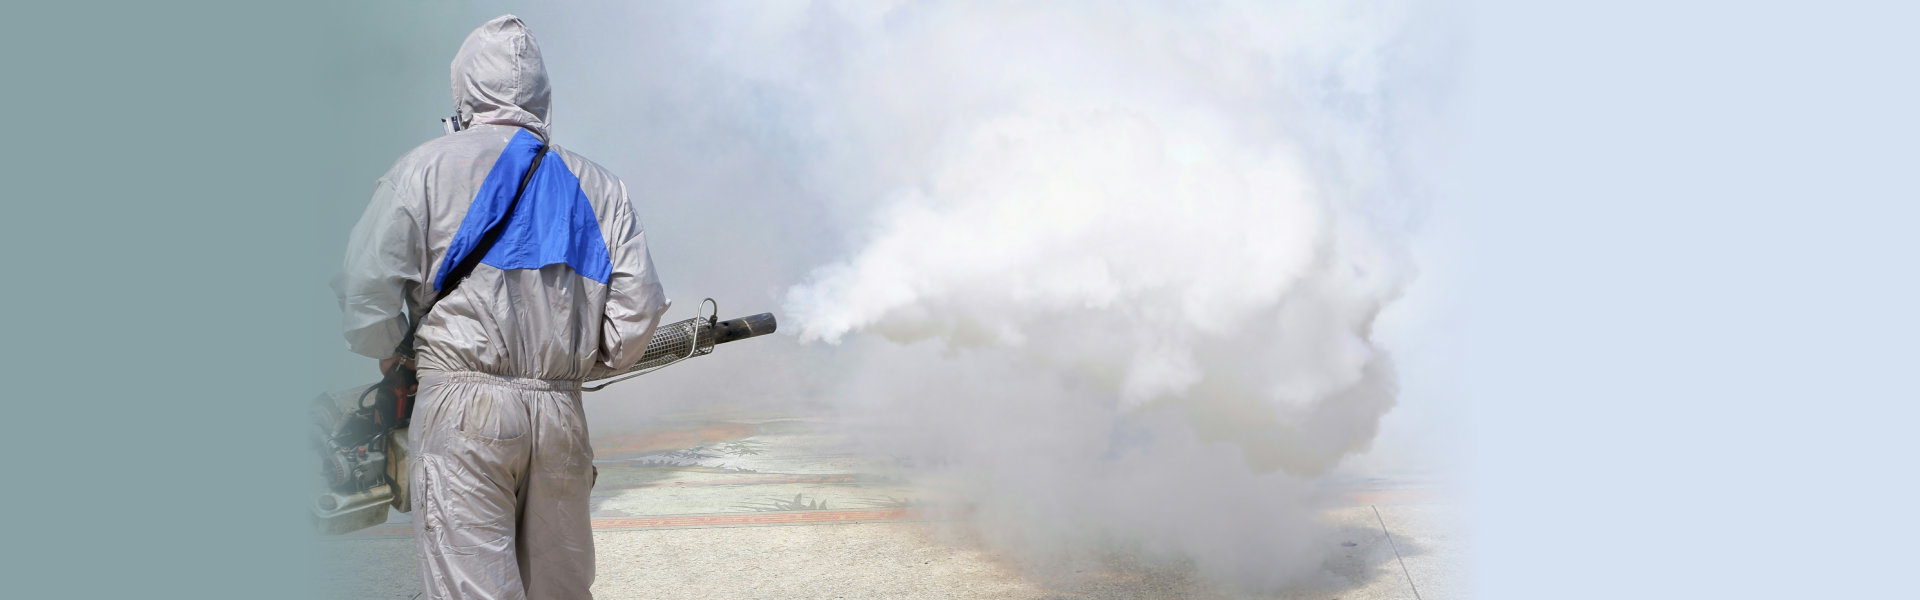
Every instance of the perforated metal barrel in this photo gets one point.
(676, 341)
(681, 340)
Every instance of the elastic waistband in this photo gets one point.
(430, 376)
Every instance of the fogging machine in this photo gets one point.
(361, 435)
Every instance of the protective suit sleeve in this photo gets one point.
(635, 300)
(382, 269)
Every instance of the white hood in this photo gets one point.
(499, 77)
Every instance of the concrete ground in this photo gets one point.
(706, 507)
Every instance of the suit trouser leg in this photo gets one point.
(501, 481)
(556, 535)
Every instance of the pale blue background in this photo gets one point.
(1684, 259)
(1691, 323)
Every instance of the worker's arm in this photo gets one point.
(382, 269)
(635, 300)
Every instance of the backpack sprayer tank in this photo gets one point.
(364, 457)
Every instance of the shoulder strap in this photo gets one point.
(480, 249)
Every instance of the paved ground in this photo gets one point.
(719, 507)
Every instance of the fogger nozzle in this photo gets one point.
(743, 328)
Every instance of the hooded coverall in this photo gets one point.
(501, 469)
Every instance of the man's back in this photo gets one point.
(572, 248)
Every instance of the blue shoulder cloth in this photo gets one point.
(553, 224)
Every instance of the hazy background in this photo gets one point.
(1093, 262)
(1659, 298)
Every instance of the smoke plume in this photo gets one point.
(1130, 257)
(1109, 270)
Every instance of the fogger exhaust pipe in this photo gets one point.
(681, 340)
(743, 328)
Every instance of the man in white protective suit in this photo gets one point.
(564, 291)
